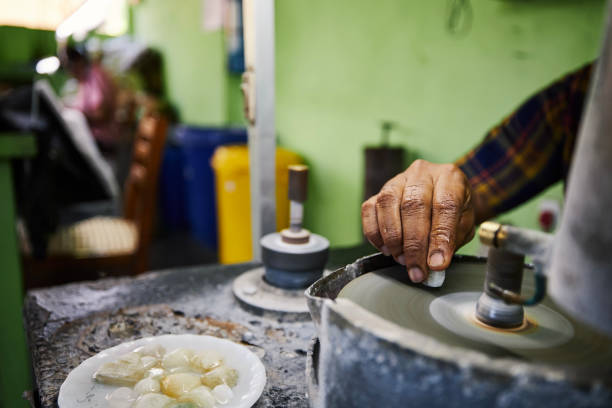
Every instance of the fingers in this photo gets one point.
(421, 217)
(416, 220)
(370, 223)
(466, 229)
(388, 215)
(447, 207)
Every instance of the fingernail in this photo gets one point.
(385, 250)
(401, 260)
(415, 273)
(436, 259)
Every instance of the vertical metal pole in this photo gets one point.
(259, 58)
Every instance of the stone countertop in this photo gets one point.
(68, 324)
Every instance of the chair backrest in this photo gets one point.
(140, 190)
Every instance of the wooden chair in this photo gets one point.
(101, 246)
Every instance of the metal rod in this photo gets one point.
(298, 192)
(296, 215)
(519, 241)
(504, 272)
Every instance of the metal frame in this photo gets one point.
(259, 58)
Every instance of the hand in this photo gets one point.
(421, 216)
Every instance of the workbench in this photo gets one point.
(67, 324)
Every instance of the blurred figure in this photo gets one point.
(96, 96)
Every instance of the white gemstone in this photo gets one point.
(121, 398)
(222, 393)
(435, 279)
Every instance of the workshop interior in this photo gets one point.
(318, 204)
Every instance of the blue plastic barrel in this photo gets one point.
(198, 145)
(172, 190)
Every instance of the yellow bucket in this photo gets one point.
(231, 166)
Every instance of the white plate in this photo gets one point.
(81, 391)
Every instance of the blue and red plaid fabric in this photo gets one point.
(532, 148)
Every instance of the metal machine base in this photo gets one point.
(385, 341)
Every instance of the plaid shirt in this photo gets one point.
(532, 148)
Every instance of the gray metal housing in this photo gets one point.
(580, 275)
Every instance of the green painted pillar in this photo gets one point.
(14, 363)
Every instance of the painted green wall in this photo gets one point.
(198, 83)
(342, 66)
(235, 113)
(23, 45)
(20, 48)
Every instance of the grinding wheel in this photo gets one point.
(392, 344)
(292, 266)
(547, 336)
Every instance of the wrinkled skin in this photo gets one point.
(421, 216)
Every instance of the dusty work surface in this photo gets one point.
(67, 324)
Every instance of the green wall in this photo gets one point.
(24, 45)
(198, 83)
(342, 66)
(20, 48)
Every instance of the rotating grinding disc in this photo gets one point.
(252, 289)
(447, 314)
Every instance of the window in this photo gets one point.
(49, 14)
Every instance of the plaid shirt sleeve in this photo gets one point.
(532, 148)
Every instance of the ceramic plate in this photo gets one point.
(81, 391)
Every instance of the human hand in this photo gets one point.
(421, 216)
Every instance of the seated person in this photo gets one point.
(96, 96)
